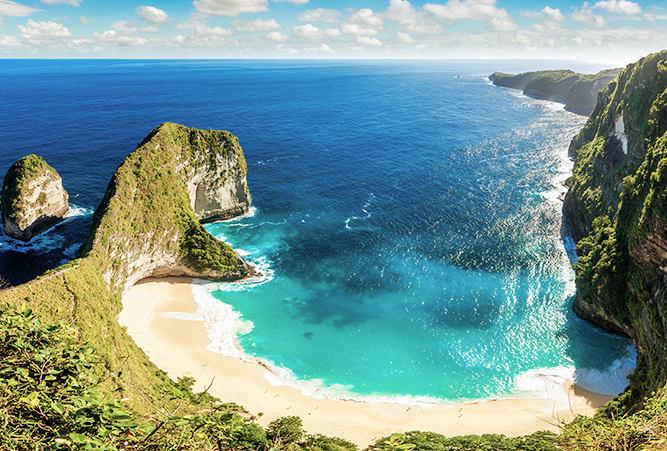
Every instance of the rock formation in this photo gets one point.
(148, 222)
(577, 91)
(33, 198)
(617, 204)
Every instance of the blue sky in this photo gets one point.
(608, 31)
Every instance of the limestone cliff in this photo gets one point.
(617, 204)
(148, 222)
(577, 91)
(33, 198)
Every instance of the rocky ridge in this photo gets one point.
(148, 223)
(577, 91)
(33, 198)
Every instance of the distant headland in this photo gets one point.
(577, 91)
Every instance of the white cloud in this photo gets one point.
(623, 7)
(249, 26)
(503, 25)
(67, 2)
(363, 23)
(404, 38)
(41, 31)
(588, 17)
(403, 13)
(479, 10)
(653, 17)
(276, 36)
(553, 14)
(321, 49)
(230, 8)
(309, 31)
(13, 9)
(152, 15)
(124, 25)
(295, 2)
(210, 31)
(192, 41)
(320, 15)
(365, 40)
(150, 29)
(8, 42)
(86, 21)
(122, 38)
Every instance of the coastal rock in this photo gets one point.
(617, 204)
(148, 223)
(219, 190)
(33, 198)
(577, 91)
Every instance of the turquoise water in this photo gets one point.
(406, 215)
(428, 276)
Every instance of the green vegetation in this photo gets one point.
(578, 91)
(623, 204)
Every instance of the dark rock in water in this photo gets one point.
(33, 198)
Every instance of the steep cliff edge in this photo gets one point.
(577, 91)
(33, 198)
(148, 222)
(617, 204)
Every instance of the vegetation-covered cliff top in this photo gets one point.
(577, 91)
(14, 182)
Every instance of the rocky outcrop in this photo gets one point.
(617, 204)
(148, 222)
(219, 190)
(33, 198)
(577, 91)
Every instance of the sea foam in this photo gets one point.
(548, 382)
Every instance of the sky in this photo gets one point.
(608, 31)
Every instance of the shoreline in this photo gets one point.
(161, 316)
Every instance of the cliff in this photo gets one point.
(577, 91)
(148, 222)
(145, 226)
(33, 198)
(617, 204)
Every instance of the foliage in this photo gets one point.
(430, 441)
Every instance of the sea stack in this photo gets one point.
(33, 198)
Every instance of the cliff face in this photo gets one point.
(33, 198)
(577, 91)
(617, 204)
(146, 224)
(219, 190)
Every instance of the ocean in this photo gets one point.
(406, 216)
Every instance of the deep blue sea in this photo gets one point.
(406, 215)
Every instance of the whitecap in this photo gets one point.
(548, 382)
(223, 323)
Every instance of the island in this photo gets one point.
(33, 198)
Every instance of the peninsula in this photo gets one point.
(577, 91)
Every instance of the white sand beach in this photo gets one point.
(155, 312)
